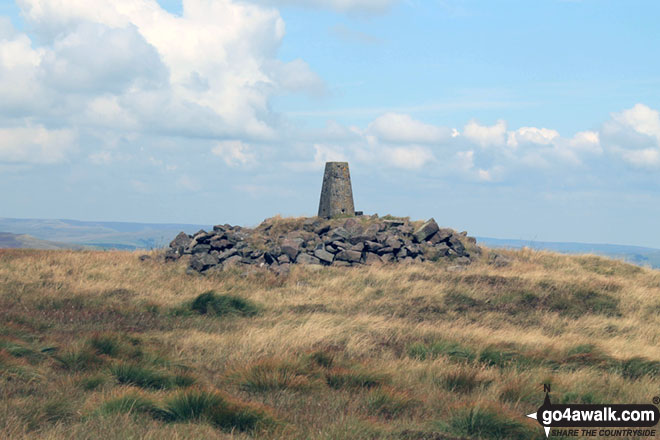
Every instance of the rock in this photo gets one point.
(426, 230)
(282, 269)
(201, 249)
(463, 261)
(227, 254)
(498, 260)
(371, 258)
(456, 244)
(234, 260)
(387, 258)
(180, 241)
(291, 247)
(348, 255)
(351, 223)
(341, 245)
(322, 229)
(393, 223)
(144, 257)
(220, 243)
(201, 262)
(357, 247)
(283, 259)
(443, 234)
(203, 237)
(373, 246)
(393, 242)
(339, 234)
(324, 256)
(332, 249)
(307, 259)
(341, 263)
(385, 250)
(311, 224)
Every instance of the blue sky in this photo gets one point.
(515, 119)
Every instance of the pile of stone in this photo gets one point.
(278, 243)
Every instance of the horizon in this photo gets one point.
(534, 122)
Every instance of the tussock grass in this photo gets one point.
(103, 345)
(212, 303)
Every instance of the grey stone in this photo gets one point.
(393, 223)
(339, 234)
(291, 248)
(232, 261)
(220, 243)
(201, 249)
(456, 244)
(387, 258)
(182, 240)
(443, 234)
(359, 247)
(385, 250)
(307, 259)
(341, 263)
(348, 255)
(283, 259)
(426, 230)
(393, 242)
(201, 262)
(371, 258)
(324, 255)
(227, 254)
(373, 246)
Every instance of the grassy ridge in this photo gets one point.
(100, 344)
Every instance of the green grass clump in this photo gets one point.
(389, 403)
(463, 380)
(637, 367)
(223, 304)
(106, 344)
(273, 374)
(93, 382)
(216, 409)
(453, 350)
(131, 374)
(354, 378)
(83, 359)
(130, 403)
(486, 423)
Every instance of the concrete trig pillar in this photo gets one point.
(336, 194)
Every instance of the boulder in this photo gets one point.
(425, 231)
(291, 247)
(227, 254)
(324, 255)
(340, 234)
(371, 258)
(180, 241)
(220, 243)
(349, 256)
(202, 262)
(201, 249)
(307, 259)
(443, 234)
(393, 242)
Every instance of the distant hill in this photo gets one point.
(105, 235)
(633, 254)
(24, 241)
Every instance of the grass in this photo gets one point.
(212, 303)
(102, 345)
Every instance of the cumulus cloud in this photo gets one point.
(410, 158)
(235, 153)
(484, 135)
(35, 144)
(531, 135)
(403, 129)
(359, 6)
(131, 65)
(633, 135)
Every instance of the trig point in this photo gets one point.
(336, 194)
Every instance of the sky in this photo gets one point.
(511, 119)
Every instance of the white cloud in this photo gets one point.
(633, 135)
(486, 136)
(410, 158)
(359, 6)
(36, 144)
(129, 64)
(235, 153)
(531, 135)
(403, 129)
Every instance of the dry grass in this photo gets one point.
(98, 344)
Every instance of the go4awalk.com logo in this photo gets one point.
(605, 420)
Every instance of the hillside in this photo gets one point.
(24, 241)
(109, 345)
